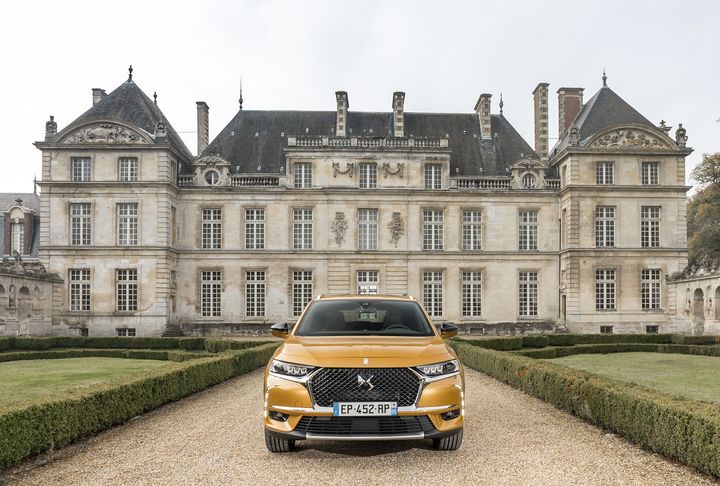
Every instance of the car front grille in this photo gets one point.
(359, 426)
(399, 385)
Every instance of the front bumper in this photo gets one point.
(293, 400)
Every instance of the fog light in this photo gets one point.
(280, 417)
(452, 414)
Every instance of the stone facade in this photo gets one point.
(696, 303)
(455, 209)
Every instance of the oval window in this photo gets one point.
(212, 177)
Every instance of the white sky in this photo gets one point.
(661, 56)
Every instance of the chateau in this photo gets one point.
(456, 209)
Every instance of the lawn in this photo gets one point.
(695, 377)
(43, 379)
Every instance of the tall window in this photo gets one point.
(367, 229)
(604, 226)
(79, 289)
(605, 289)
(368, 282)
(433, 293)
(255, 293)
(80, 224)
(302, 290)
(302, 229)
(127, 224)
(254, 229)
(17, 237)
(528, 230)
(368, 176)
(433, 176)
(650, 288)
(528, 294)
(471, 294)
(173, 225)
(302, 175)
(650, 226)
(650, 173)
(212, 229)
(433, 228)
(605, 173)
(126, 285)
(210, 290)
(80, 168)
(472, 230)
(128, 169)
(528, 181)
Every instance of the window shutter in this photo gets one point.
(29, 226)
(7, 244)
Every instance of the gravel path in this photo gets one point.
(215, 437)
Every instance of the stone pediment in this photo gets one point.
(207, 161)
(629, 138)
(104, 133)
(529, 163)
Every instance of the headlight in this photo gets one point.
(439, 369)
(290, 369)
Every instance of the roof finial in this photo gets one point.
(155, 97)
(130, 70)
(604, 78)
(501, 103)
(240, 100)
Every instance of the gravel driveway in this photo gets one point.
(215, 437)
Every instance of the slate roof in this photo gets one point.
(601, 111)
(253, 141)
(129, 104)
(30, 201)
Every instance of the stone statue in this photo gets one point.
(681, 137)
(574, 135)
(50, 128)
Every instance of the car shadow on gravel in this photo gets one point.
(363, 449)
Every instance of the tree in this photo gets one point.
(704, 216)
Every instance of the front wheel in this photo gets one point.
(449, 443)
(276, 444)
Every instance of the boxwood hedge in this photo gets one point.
(40, 427)
(682, 429)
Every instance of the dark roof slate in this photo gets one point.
(603, 110)
(253, 141)
(130, 105)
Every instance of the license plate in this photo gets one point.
(363, 409)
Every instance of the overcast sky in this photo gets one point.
(663, 57)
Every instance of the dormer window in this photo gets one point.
(212, 177)
(528, 181)
(17, 231)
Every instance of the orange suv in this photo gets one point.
(364, 367)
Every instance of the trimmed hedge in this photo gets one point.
(560, 351)
(158, 354)
(53, 424)
(37, 344)
(680, 339)
(498, 344)
(572, 339)
(220, 345)
(539, 341)
(6, 343)
(681, 429)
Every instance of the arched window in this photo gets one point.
(2, 291)
(528, 181)
(212, 177)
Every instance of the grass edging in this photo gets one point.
(46, 426)
(682, 429)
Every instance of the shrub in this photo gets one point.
(560, 351)
(571, 339)
(681, 429)
(6, 343)
(53, 424)
(680, 339)
(95, 342)
(498, 344)
(219, 345)
(689, 349)
(192, 343)
(539, 341)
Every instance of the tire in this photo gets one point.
(449, 443)
(276, 444)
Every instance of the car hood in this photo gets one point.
(361, 351)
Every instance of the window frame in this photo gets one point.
(471, 290)
(211, 288)
(17, 237)
(80, 290)
(528, 294)
(651, 176)
(433, 292)
(254, 228)
(302, 287)
(85, 172)
(127, 292)
(211, 228)
(605, 226)
(84, 222)
(368, 285)
(606, 289)
(432, 176)
(605, 173)
(131, 172)
(302, 229)
(127, 226)
(367, 229)
(528, 230)
(368, 175)
(471, 229)
(433, 229)
(302, 175)
(256, 288)
(650, 226)
(651, 289)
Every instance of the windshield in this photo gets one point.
(372, 317)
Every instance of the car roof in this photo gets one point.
(365, 297)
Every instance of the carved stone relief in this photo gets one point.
(396, 227)
(339, 228)
(347, 170)
(399, 170)
(106, 133)
(629, 139)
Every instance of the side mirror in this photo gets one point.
(280, 330)
(448, 330)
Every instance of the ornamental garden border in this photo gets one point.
(681, 429)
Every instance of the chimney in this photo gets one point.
(98, 95)
(482, 108)
(203, 126)
(398, 114)
(343, 104)
(540, 101)
(570, 101)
